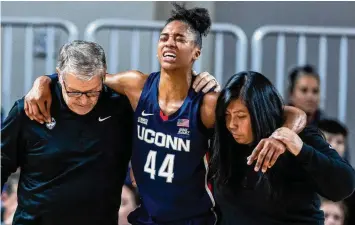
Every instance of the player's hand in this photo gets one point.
(205, 82)
(292, 141)
(266, 153)
(38, 101)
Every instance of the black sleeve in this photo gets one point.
(11, 144)
(333, 176)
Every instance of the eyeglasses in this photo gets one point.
(78, 94)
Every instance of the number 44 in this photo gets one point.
(166, 169)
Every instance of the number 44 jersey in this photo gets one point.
(169, 157)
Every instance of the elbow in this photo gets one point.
(299, 118)
(344, 187)
(302, 120)
(340, 195)
(349, 185)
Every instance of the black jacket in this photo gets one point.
(257, 199)
(72, 173)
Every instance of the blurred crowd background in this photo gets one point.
(307, 49)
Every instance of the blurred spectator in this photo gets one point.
(334, 212)
(9, 199)
(129, 202)
(304, 92)
(335, 133)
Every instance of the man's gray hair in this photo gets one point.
(83, 58)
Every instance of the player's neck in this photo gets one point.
(174, 85)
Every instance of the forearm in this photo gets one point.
(115, 82)
(295, 119)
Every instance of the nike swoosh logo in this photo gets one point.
(103, 119)
(146, 114)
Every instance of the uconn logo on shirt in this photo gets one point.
(166, 169)
(163, 140)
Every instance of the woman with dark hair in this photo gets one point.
(172, 126)
(304, 92)
(249, 109)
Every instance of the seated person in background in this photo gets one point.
(9, 199)
(129, 202)
(304, 89)
(335, 133)
(334, 212)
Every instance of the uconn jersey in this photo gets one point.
(169, 157)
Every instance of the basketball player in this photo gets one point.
(172, 124)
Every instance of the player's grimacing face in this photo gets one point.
(176, 47)
(238, 122)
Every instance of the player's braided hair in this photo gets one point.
(198, 20)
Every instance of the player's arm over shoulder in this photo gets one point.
(129, 83)
(125, 82)
(208, 108)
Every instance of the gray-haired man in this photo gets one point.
(73, 168)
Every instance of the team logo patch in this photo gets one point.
(183, 123)
(184, 131)
(143, 120)
(51, 125)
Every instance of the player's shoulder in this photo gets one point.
(136, 77)
(138, 74)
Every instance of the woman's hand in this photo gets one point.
(266, 153)
(292, 141)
